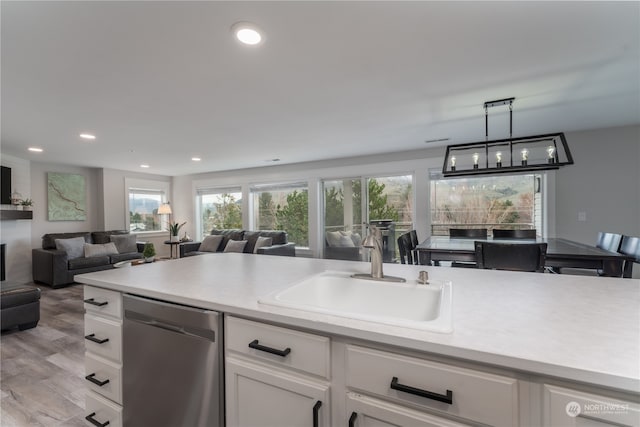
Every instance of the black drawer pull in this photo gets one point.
(91, 377)
(446, 398)
(92, 337)
(352, 419)
(94, 302)
(283, 353)
(316, 409)
(94, 421)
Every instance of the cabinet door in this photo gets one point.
(364, 411)
(571, 408)
(259, 396)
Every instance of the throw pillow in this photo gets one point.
(235, 246)
(74, 247)
(262, 242)
(125, 243)
(210, 243)
(333, 238)
(99, 249)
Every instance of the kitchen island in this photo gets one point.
(542, 331)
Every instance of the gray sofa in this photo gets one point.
(279, 242)
(55, 268)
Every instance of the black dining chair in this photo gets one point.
(414, 243)
(511, 256)
(630, 246)
(468, 233)
(405, 247)
(514, 234)
(609, 242)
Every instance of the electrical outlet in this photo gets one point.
(582, 216)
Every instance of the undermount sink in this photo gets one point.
(411, 305)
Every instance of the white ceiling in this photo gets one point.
(160, 82)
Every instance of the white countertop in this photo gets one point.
(575, 327)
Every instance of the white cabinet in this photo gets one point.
(465, 393)
(103, 356)
(275, 376)
(260, 396)
(364, 411)
(567, 407)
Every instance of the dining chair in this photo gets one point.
(514, 234)
(630, 246)
(511, 256)
(414, 243)
(468, 233)
(609, 242)
(405, 247)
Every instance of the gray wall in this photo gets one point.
(604, 183)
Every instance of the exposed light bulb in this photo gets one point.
(550, 151)
(525, 154)
(476, 156)
(499, 159)
(453, 161)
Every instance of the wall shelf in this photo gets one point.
(9, 214)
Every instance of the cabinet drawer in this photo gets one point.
(102, 411)
(306, 352)
(568, 407)
(103, 337)
(474, 395)
(103, 302)
(102, 371)
(364, 411)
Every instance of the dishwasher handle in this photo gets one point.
(178, 329)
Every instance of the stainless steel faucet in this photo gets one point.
(373, 241)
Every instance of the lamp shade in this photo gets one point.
(165, 209)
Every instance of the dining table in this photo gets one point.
(561, 253)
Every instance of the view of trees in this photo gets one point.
(221, 211)
(485, 201)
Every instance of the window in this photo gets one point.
(283, 207)
(143, 210)
(219, 208)
(389, 200)
(144, 197)
(505, 201)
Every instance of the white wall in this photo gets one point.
(17, 234)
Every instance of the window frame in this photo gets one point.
(161, 187)
(202, 191)
(281, 186)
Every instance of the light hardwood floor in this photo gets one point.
(42, 369)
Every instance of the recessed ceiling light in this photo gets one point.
(247, 33)
(87, 136)
(144, 166)
(36, 149)
(196, 159)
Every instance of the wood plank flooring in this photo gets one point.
(42, 369)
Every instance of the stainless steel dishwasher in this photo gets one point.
(172, 365)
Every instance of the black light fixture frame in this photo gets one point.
(507, 165)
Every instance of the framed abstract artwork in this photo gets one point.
(66, 195)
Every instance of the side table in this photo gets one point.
(174, 245)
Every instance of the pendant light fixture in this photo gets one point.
(511, 155)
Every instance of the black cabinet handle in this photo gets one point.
(92, 337)
(91, 377)
(352, 419)
(94, 302)
(316, 409)
(94, 421)
(283, 353)
(446, 398)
